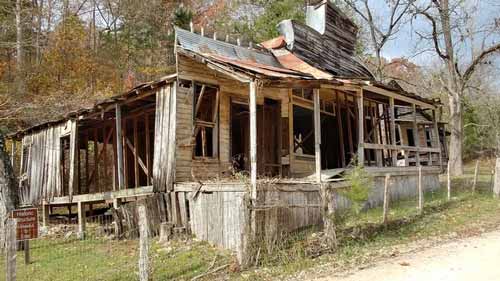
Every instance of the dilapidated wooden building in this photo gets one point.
(240, 134)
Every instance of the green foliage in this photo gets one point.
(360, 183)
(262, 25)
(183, 17)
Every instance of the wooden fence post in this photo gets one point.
(386, 199)
(420, 191)
(449, 181)
(143, 242)
(10, 250)
(496, 181)
(476, 172)
(328, 212)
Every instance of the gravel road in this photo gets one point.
(476, 258)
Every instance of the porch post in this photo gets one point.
(119, 146)
(253, 138)
(317, 134)
(13, 153)
(437, 138)
(392, 116)
(416, 135)
(361, 132)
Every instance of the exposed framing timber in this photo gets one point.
(253, 138)
(361, 129)
(317, 134)
(392, 116)
(416, 134)
(119, 147)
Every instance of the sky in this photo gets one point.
(406, 43)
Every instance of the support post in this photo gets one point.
(496, 182)
(81, 220)
(253, 138)
(119, 147)
(361, 132)
(437, 139)
(420, 191)
(10, 249)
(328, 212)
(448, 177)
(45, 215)
(116, 203)
(143, 243)
(476, 173)
(415, 135)
(317, 134)
(386, 199)
(13, 153)
(392, 116)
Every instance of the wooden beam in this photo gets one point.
(119, 148)
(317, 134)
(437, 143)
(125, 156)
(95, 172)
(399, 147)
(392, 116)
(105, 153)
(73, 157)
(86, 141)
(397, 96)
(136, 153)
(148, 147)
(415, 134)
(200, 98)
(13, 153)
(340, 128)
(113, 163)
(139, 159)
(253, 138)
(96, 162)
(361, 132)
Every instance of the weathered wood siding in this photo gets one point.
(165, 138)
(220, 218)
(42, 177)
(188, 169)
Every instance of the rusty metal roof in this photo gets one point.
(203, 45)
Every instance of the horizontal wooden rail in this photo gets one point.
(400, 147)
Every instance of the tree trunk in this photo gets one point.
(456, 137)
(19, 48)
(8, 193)
(454, 93)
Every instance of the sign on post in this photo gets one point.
(27, 223)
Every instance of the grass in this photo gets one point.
(101, 259)
(362, 240)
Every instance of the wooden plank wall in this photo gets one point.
(220, 218)
(188, 169)
(43, 162)
(165, 139)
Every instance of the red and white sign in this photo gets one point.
(27, 223)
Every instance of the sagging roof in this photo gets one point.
(261, 62)
(98, 106)
(277, 63)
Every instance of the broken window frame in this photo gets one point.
(201, 126)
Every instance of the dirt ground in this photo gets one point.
(474, 258)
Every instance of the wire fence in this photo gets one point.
(59, 253)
